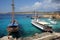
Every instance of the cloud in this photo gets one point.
(56, 1)
(49, 4)
(36, 5)
(25, 8)
(46, 5)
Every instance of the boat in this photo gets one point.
(41, 24)
(52, 20)
(13, 26)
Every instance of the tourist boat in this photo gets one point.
(13, 26)
(41, 24)
(52, 20)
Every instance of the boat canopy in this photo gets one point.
(43, 23)
(11, 24)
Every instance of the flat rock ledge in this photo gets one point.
(42, 36)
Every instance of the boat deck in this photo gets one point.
(42, 26)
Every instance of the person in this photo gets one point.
(13, 23)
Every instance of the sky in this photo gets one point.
(30, 5)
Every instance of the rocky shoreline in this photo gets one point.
(55, 15)
(43, 36)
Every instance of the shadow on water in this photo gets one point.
(1, 35)
(57, 30)
(38, 28)
(19, 33)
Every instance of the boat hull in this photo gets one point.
(12, 29)
(42, 27)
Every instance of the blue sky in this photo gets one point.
(30, 5)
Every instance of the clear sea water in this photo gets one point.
(25, 23)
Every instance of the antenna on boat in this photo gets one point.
(13, 9)
(35, 14)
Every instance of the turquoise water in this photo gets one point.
(25, 24)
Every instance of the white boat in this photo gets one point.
(52, 20)
(34, 22)
(40, 24)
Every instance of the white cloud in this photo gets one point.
(37, 5)
(32, 7)
(25, 8)
(50, 4)
(45, 5)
